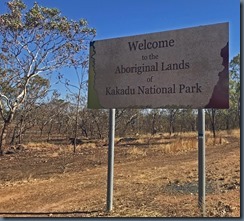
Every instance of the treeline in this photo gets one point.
(56, 120)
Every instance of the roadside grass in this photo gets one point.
(140, 144)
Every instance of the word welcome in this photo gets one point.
(144, 45)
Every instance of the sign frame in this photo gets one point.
(184, 68)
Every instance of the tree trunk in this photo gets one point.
(171, 121)
(172, 115)
(5, 129)
(98, 126)
(14, 136)
(239, 112)
(227, 123)
(21, 130)
(49, 132)
(153, 129)
(4, 136)
(213, 122)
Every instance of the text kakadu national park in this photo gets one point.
(154, 67)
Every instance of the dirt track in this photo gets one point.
(54, 182)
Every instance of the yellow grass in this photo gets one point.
(41, 145)
(137, 151)
(178, 142)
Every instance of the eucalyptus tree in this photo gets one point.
(235, 88)
(126, 119)
(25, 117)
(76, 93)
(171, 117)
(34, 42)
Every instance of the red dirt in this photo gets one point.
(53, 182)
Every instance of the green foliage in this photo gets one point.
(235, 83)
(42, 36)
(37, 41)
(235, 77)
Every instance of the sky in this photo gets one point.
(118, 18)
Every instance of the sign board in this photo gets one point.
(186, 68)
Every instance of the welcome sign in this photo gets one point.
(186, 68)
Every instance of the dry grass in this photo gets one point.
(184, 144)
(89, 145)
(40, 146)
(176, 145)
(235, 133)
(216, 141)
(137, 151)
(177, 142)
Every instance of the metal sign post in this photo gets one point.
(201, 161)
(110, 160)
